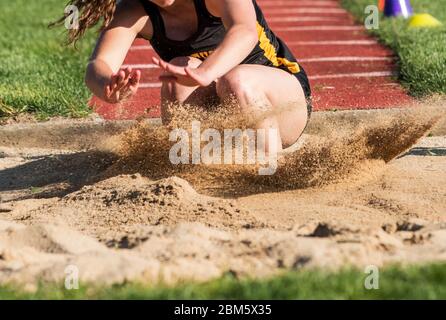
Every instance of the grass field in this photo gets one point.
(423, 282)
(422, 52)
(38, 74)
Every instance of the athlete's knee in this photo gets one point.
(237, 83)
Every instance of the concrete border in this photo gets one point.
(80, 135)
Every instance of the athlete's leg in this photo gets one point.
(258, 88)
(172, 92)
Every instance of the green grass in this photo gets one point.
(422, 282)
(38, 74)
(421, 52)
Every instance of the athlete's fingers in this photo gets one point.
(168, 67)
(125, 93)
(113, 81)
(110, 96)
(110, 89)
(197, 76)
(164, 64)
(121, 80)
(171, 72)
(128, 76)
(156, 61)
(159, 62)
(128, 73)
(130, 88)
(176, 70)
(135, 78)
(107, 91)
(125, 83)
(191, 73)
(114, 86)
(121, 75)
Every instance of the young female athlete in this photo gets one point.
(208, 49)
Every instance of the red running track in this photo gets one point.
(347, 68)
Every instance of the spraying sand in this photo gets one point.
(125, 213)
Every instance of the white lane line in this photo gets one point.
(355, 75)
(304, 10)
(141, 47)
(314, 3)
(319, 28)
(150, 85)
(302, 19)
(345, 59)
(333, 43)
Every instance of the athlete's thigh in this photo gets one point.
(285, 94)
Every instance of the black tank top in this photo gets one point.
(270, 50)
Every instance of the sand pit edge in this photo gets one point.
(73, 134)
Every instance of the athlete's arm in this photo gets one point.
(104, 76)
(239, 18)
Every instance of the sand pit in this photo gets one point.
(119, 214)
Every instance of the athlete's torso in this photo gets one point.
(270, 50)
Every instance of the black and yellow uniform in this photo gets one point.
(270, 50)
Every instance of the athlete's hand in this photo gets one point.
(123, 85)
(186, 76)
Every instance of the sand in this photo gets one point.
(352, 196)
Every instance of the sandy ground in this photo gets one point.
(340, 200)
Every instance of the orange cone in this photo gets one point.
(381, 5)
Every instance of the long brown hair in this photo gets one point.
(91, 12)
